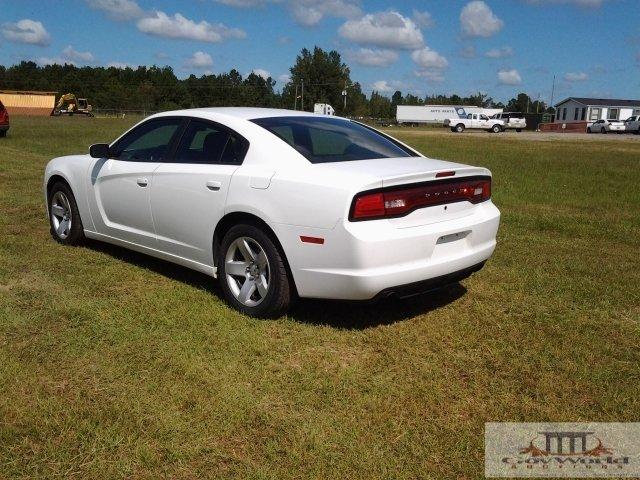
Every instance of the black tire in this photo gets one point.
(280, 291)
(603, 130)
(459, 128)
(588, 129)
(3, 133)
(518, 130)
(453, 129)
(75, 234)
(496, 129)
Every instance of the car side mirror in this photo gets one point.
(99, 150)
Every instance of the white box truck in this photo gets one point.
(323, 109)
(418, 114)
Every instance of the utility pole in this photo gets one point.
(295, 102)
(553, 90)
(302, 99)
(344, 96)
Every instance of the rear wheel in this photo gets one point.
(496, 129)
(3, 133)
(64, 218)
(459, 128)
(603, 130)
(252, 272)
(518, 130)
(588, 129)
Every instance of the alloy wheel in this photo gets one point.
(247, 271)
(61, 215)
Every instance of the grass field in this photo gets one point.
(113, 364)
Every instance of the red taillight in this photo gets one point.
(398, 202)
(370, 205)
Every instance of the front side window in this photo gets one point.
(322, 140)
(205, 142)
(148, 142)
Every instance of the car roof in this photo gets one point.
(243, 113)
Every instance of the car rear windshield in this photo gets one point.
(323, 140)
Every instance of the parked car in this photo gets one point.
(512, 120)
(475, 121)
(632, 124)
(278, 203)
(4, 121)
(606, 126)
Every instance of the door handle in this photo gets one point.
(214, 186)
(143, 182)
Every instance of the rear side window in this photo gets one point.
(148, 142)
(206, 142)
(323, 140)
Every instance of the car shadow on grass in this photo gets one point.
(336, 314)
(364, 315)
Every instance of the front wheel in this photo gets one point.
(602, 130)
(518, 130)
(588, 129)
(64, 217)
(459, 128)
(252, 273)
(496, 129)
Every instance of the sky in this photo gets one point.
(425, 47)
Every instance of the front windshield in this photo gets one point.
(322, 139)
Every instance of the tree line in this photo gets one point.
(317, 76)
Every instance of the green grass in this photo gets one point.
(113, 364)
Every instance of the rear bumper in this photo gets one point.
(360, 260)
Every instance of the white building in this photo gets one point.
(579, 109)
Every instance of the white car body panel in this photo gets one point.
(175, 215)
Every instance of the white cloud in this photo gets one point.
(385, 86)
(423, 19)
(26, 31)
(306, 12)
(117, 9)
(477, 20)
(468, 51)
(428, 58)
(43, 61)
(580, 3)
(433, 76)
(261, 73)
(121, 65)
(382, 86)
(502, 52)
(284, 78)
(81, 57)
(179, 27)
(199, 60)
(311, 12)
(431, 64)
(370, 57)
(509, 77)
(384, 29)
(241, 3)
(576, 77)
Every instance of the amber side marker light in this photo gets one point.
(316, 240)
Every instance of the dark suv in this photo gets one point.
(4, 121)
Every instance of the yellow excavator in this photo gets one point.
(70, 105)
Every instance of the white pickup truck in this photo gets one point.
(477, 121)
(512, 120)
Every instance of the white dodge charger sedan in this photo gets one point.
(278, 204)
